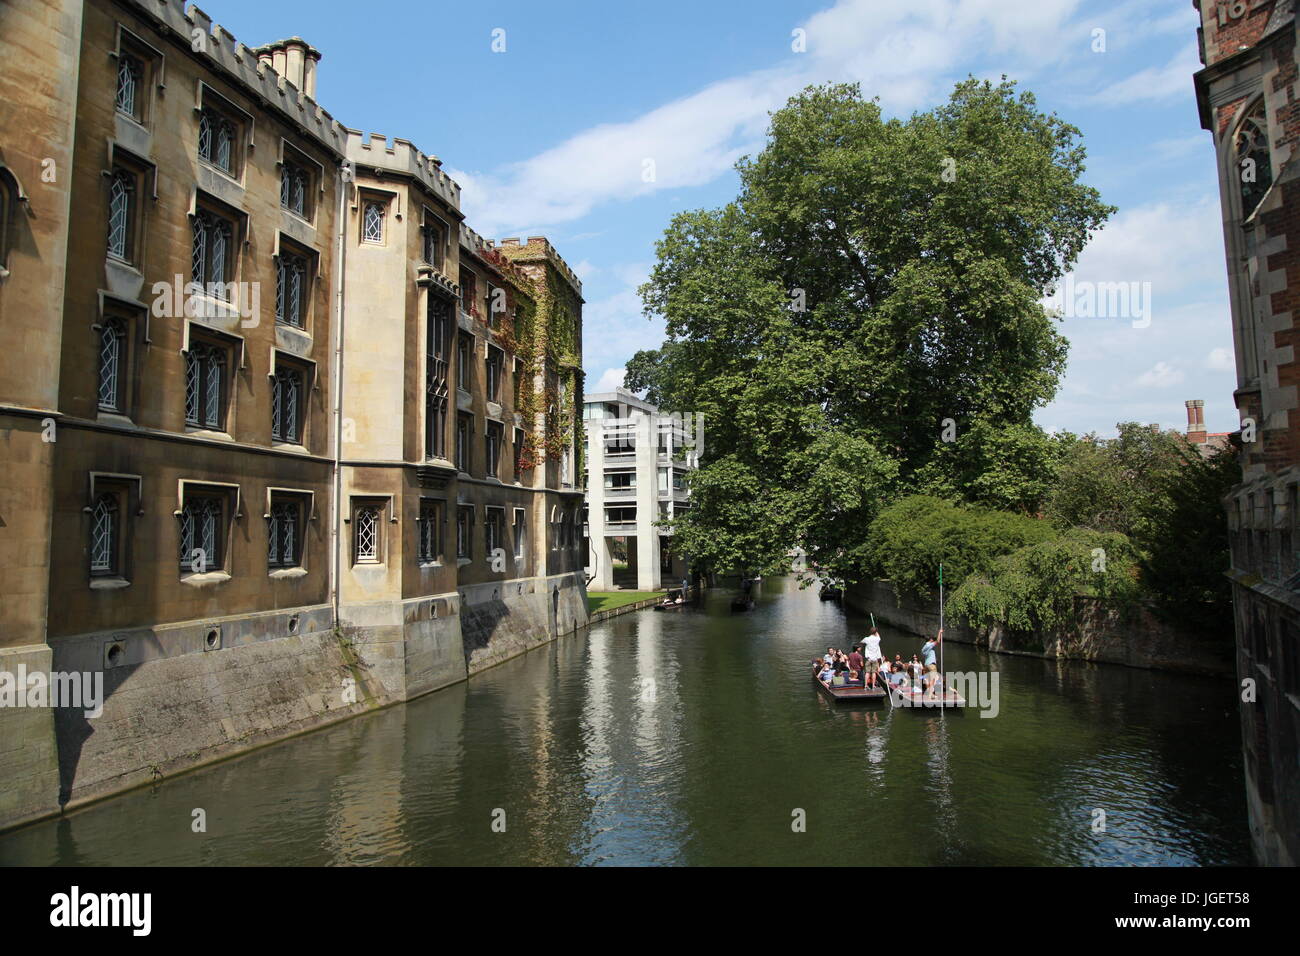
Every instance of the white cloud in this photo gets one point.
(1176, 248)
(609, 380)
(1155, 83)
(1221, 360)
(1160, 375)
(906, 53)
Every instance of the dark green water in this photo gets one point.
(692, 738)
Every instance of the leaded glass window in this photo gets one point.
(112, 348)
(494, 367)
(104, 535)
(286, 405)
(464, 517)
(294, 184)
(435, 378)
(205, 386)
(291, 276)
(216, 139)
(129, 74)
(211, 255)
(492, 446)
(494, 529)
(201, 532)
(367, 535)
(120, 191)
(1254, 164)
(430, 531)
(283, 546)
(372, 227)
(431, 245)
(462, 443)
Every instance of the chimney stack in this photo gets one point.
(295, 60)
(1195, 420)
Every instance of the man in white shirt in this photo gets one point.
(871, 651)
(871, 645)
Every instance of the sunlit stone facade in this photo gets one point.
(275, 447)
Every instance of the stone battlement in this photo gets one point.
(403, 157)
(241, 64)
(539, 249)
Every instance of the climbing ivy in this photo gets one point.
(544, 338)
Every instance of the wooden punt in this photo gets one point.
(911, 696)
(831, 594)
(670, 607)
(847, 695)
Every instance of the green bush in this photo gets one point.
(912, 537)
(1035, 587)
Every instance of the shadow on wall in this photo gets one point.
(72, 729)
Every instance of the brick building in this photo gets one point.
(281, 438)
(1247, 96)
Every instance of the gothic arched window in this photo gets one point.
(1254, 167)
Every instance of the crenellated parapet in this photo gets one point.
(192, 28)
(538, 249)
(484, 250)
(401, 157)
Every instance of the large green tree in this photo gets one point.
(871, 296)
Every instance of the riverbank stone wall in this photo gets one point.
(1100, 635)
(177, 697)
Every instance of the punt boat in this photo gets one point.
(849, 694)
(909, 695)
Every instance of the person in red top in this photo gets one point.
(856, 661)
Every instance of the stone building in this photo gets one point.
(1246, 96)
(638, 461)
(281, 438)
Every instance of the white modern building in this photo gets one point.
(637, 462)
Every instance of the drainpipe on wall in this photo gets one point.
(337, 510)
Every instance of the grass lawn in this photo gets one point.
(604, 600)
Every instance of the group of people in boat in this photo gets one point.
(866, 666)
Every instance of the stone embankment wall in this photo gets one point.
(179, 697)
(1100, 635)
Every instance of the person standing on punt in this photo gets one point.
(871, 645)
(928, 651)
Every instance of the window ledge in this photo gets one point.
(461, 562)
(125, 265)
(117, 418)
(429, 565)
(287, 573)
(208, 433)
(195, 580)
(108, 583)
(225, 174)
(289, 446)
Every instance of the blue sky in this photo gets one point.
(550, 137)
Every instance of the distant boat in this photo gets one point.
(742, 603)
(831, 593)
(848, 694)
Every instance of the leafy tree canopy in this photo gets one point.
(874, 278)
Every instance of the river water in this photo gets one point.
(697, 737)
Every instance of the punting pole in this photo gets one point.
(943, 686)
